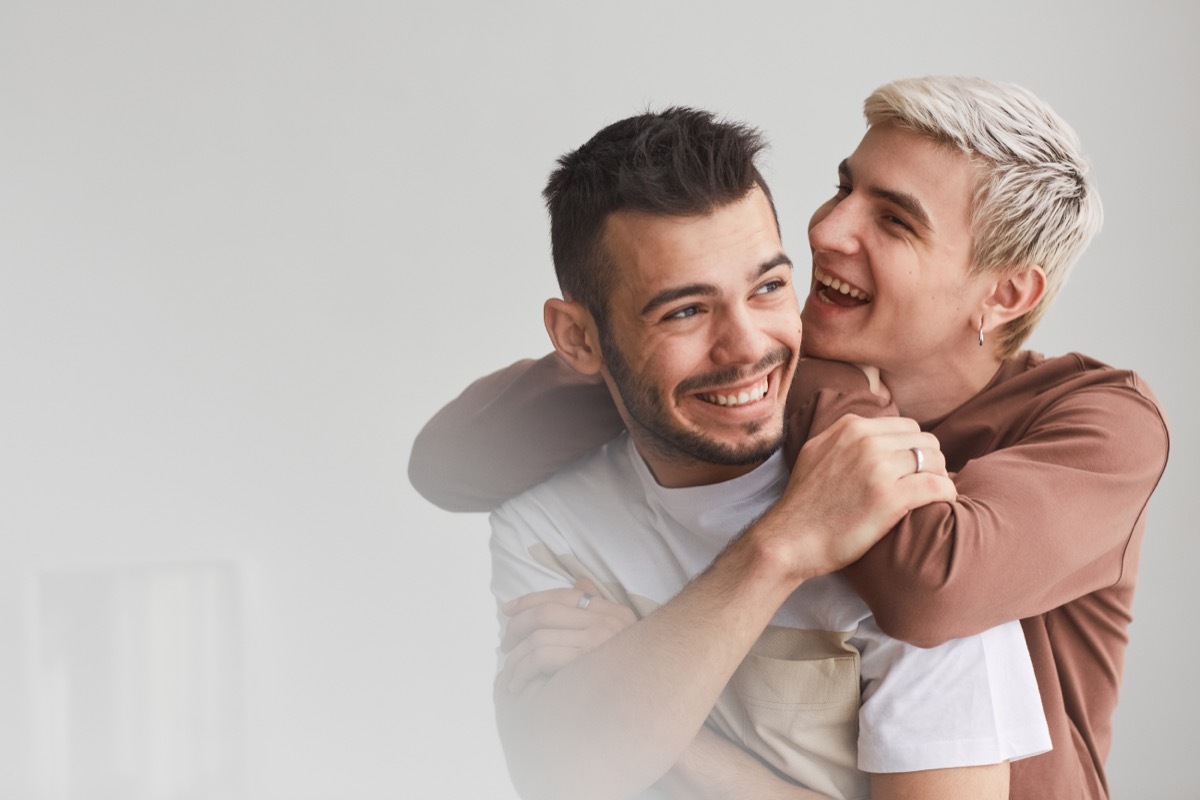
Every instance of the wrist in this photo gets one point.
(780, 551)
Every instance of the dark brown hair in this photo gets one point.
(677, 162)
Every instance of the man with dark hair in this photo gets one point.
(677, 292)
(623, 169)
(955, 223)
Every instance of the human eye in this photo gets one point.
(898, 221)
(773, 285)
(842, 189)
(682, 313)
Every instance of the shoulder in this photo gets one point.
(1075, 371)
(1077, 400)
(1076, 380)
(591, 484)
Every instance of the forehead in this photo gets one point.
(653, 252)
(942, 178)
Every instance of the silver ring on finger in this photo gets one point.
(584, 601)
(916, 451)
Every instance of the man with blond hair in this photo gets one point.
(955, 223)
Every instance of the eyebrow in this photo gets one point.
(707, 289)
(910, 204)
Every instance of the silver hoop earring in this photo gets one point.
(981, 331)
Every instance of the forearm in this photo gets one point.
(985, 782)
(509, 431)
(614, 721)
(1040, 520)
(637, 701)
(824, 392)
(713, 768)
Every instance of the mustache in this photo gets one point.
(728, 375)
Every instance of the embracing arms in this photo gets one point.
(1042, 519)
(547, 630)
(509, 431)
(1049, 511)
(639, 699)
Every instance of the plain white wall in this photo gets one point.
(248, 247)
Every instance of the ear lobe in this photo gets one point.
(1015, 295)
(574, 334)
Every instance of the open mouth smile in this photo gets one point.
(838, 292)
(738, 398)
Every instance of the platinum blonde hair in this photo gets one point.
(1035, 202)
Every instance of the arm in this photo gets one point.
(714, 768)
(516, 427)
(508, 431)
(550, 631)
(638, 700)
(1040, 521)
(825, 391)
(987, 782)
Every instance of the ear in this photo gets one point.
(1015, 294)
(574, 334)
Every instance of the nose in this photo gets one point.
(738, 338)
(834, 227)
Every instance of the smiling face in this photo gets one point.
(702, 337)
(891, 254)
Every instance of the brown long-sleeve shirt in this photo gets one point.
(1054, 461)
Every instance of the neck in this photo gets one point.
(676, 472)
(933, 392)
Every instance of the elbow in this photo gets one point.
(549, 761)
(923, 622)
(432, 472)
(536, 779)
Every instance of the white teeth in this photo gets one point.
(840, 286)
(741, 398)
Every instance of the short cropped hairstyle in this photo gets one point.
(1035, 202)
(677, 162)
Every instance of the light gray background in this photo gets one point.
(248, 247)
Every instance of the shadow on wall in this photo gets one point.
(136, 682)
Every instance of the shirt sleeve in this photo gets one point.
(509, 431)
(516, 567)
(1037, 524)
(824, 391)
(967, 702)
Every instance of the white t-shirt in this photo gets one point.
(824, 696)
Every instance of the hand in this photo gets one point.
(850, 485)
(875, 383)
(547, 630)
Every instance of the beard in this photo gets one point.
(647, 410)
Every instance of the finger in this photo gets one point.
(925, 488)
(600, 614)
(548, 615)
(854, 425)
(564, 597)
(931, 460)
